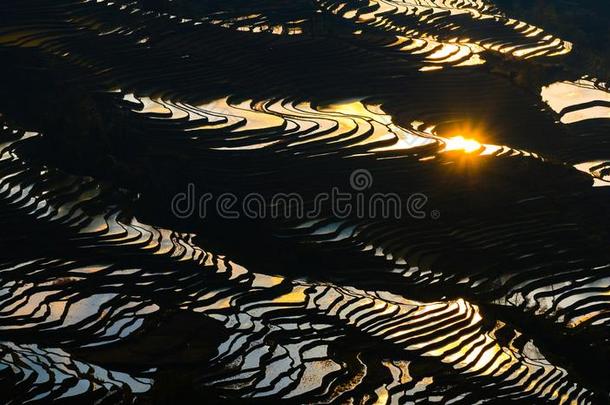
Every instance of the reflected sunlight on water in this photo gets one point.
(577, 101)
(461, 143)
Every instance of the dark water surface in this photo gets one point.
(125, 122)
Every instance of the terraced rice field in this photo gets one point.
(472, 261)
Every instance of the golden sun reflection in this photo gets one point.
(461, 143)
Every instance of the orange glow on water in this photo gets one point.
(461, 143)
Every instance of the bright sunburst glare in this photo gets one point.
(461, 143)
